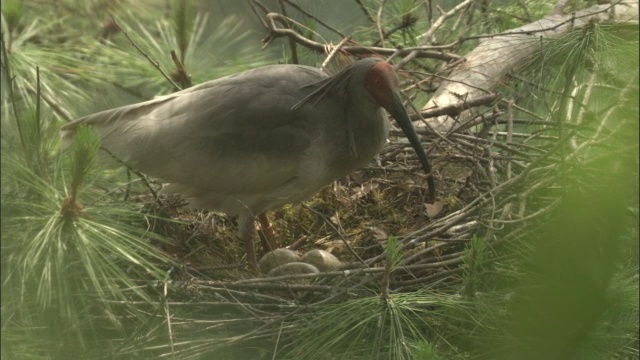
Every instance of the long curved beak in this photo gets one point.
(397, 110)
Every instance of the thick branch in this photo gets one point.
(488, 64)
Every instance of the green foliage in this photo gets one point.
(571, 293)
(82, 57)
(505, 15)
(375, 327)
(63, 262)
(23, 53)
(574, 294)
(427, 351)
(209, 53)
(183, 19)
(401, 22)
(79, 265)
(605, 54)
(394, 252)
(84, 150)
(65, 271)
(12, 11)
(474, 258)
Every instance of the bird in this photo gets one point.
(257, 140)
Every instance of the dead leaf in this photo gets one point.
(378, 234)
(434, 209)
(406, 185)
(364, 190)
(336, 246)
(335, 218)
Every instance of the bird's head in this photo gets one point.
(381, 82)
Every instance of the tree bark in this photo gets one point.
(487, 65)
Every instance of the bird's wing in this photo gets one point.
(236, 134)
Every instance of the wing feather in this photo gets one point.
(236, 134)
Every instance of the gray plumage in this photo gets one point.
(250, 142)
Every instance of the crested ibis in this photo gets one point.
(257, 140)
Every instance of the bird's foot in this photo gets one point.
(267, 234)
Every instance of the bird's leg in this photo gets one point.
(267, 235)
(247, 231)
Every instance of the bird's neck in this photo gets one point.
(364, 134)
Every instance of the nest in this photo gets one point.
(493, 185)
(498, 178)
(483, 182)
(489, 188)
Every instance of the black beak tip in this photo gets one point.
(397, 110)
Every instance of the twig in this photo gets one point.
(402, 285)
(181, 73)
(275, 31)
(40, 156)
(379, 22)
(560, 6)
(55, 107)
(344, 240)
(153, 62)
(428, 36)
(334, 51)
(407, 22)
(168, 314)
(265, 282)
(293, 5)
(38, 95)
(292, 43)
(365, 11)
(422, 253)
(544, 210)
(140, 175)
(8, 75)
(509, 132)
(463, 39)
(277, 342)
(257, 4)
(455, 109)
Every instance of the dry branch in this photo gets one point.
(275, 31)
(488, 64)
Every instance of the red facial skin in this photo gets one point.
(381, 81)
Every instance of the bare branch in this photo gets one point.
(306, 13)
(428, 36)
(153, 62)
(334, 51)
(275, 32)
